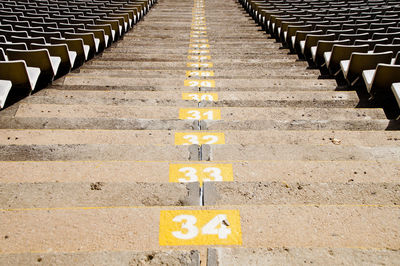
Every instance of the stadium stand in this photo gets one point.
(39, 31)
(327, 33)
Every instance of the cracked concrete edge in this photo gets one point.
(196, 125)
(194, 152)
(210, 194)
(193, 196)
(202, 125)
(195, 258)
(206, 152)
(212, 257)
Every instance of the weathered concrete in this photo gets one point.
(106, 258)
(298, 256)
(262, 193)
(136, 228)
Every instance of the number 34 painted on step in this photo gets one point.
(200, 227)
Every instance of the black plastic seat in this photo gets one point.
(352, 69)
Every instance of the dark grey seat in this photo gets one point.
(352, 69)
(379, 81)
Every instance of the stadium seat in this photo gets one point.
(322, 47)
(341, 52)
(379, 81)
(38, 58)
(352, 69)
(60, 50)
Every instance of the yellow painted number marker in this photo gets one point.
(198, 65)
(200, 227)
(200, 96)
(196, 73)
(200, 83)
(189, 138)
(199, 114)
(181, 173)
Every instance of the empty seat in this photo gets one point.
(396, 93)
(352, 69)
(379, 81)
(3, 56)
(60, 50)
(88, 40)
(38, 58)
(379, 48)
(371, 43)
(28, 40)
(341, 52)
(299, 40)
(371, 31)
(353, 37)
(322, 47)
(389, 36)
(107, 31)
(18, 46)
(22, 78)
(312, 41)
(75, 45)
(46, 35)
(8, 34)
(5, 87)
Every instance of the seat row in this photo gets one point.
(355, 42)
(43, 40)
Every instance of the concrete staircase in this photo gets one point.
(92, 168)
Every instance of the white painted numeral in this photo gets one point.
(214, 173)
(189, 172)
(211, 139)
(192, 231)
(193, 139)
(216, 226)
(204, 97)
(211, 228)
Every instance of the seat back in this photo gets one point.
(8, 34)
(35, 58)
(385, 75)
(3, 56)
(389, 36)
(17, 46)
(379, 48)
(363, 61)
(353, 37)
(371, 43)
(60, 50)
(326, 46)
(75, 45)
(17, 73)
(343, 52)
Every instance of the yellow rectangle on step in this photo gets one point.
(200, 96)
(198, 51)
(200, 138)
(199, 28)
(199, 32)
(181, 173)
(199, 114)
(198, 73)
(199, 83)
(199, 40)
(199, 65)
(200, 227)
(199, 45)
